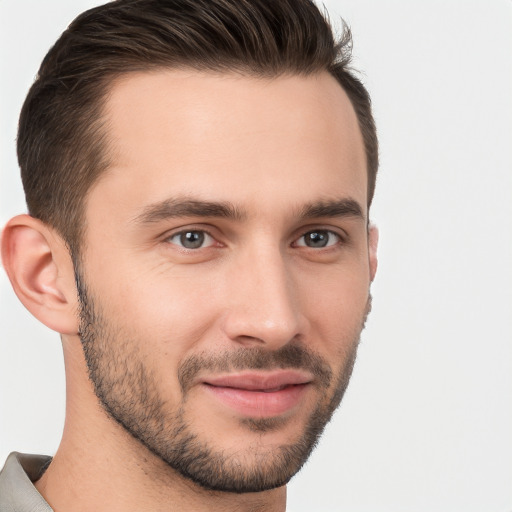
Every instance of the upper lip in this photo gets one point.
(256, 381)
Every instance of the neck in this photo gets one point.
(101, 467)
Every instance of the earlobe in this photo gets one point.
(40, 269)
(373, 242)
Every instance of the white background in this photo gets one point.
(427, 422)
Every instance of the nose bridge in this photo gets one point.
(265, 306)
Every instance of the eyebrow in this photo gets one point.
(333, 208)
(187, 207)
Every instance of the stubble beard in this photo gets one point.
(129, 394)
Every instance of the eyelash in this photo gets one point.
(205, 235)
(330, 234)
(202, 232)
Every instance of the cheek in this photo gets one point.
(337, 304)
(169, 311)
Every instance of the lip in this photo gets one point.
(259, 394)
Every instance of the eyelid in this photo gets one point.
(340, 233)
(329, 245)
(188, 229)
(208, 230)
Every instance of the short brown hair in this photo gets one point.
(61, 141)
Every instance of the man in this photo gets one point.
(198, 177)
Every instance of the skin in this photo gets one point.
(270, 148)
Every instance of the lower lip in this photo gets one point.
(259, 404)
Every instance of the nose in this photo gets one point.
(265, 308)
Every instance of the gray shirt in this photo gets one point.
(17, 492)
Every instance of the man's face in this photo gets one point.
(224, 274)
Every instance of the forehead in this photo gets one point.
(217, 136)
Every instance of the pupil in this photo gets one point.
(317, 239)
(192, 239)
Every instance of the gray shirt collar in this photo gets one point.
(17, 492)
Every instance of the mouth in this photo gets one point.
(259, 394)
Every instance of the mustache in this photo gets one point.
(290, 356)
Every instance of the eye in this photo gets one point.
(192, 239)
(318, 239)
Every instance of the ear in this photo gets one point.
(373, 242)
(40, 269)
